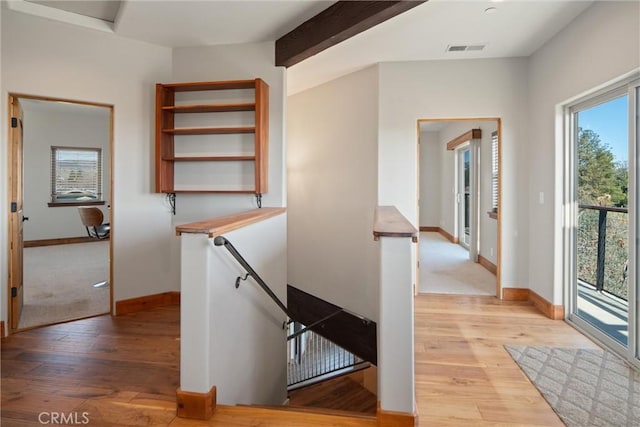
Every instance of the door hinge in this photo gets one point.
(14, 292)
(14, 122)
(14, 207)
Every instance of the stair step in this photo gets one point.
(341, 393)
(277, 416)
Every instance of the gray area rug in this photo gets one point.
(586, 387)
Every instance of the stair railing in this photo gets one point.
(222, 241)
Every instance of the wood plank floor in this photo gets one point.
(464, 376)
(124, 371)
(341, 393)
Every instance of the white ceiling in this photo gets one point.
(516, 28)
(107, 10)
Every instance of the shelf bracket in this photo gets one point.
(171, 198)
(259, 200)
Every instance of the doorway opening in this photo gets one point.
(60, 162)
(458, 206)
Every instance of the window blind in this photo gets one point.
(494, 170)
(76, 173)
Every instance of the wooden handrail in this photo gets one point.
(389, 222)
(224, 224)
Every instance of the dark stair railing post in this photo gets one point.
(602, 247)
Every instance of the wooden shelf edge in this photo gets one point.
(209, 158)
(212, 131)
(201, 86)
(210, 191)
(209, 108)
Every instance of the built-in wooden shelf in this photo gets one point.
(220, 85)
(210, 108)
(166, 131)
(209, 158)
(213, 191)
(210, 131)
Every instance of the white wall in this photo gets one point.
(43, 129)
(46, 58)
(460, 89)
(488, 226)
(430, 179)
(601, 44)
(332, 170)
(244, 322)
(396, 376)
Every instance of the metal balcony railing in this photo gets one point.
(602, 248)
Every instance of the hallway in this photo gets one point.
(445, 268)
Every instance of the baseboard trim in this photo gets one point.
(432, 229)
(395, 419)
(200, 406)
(147, 302)
(488, 265)
(60, 241)
(448, 236)
(515, 294)
(555, 312)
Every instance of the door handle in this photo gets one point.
(25, 218)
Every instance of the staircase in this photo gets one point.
(328, 347)
(321, 373)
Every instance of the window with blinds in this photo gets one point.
(494, 171)
(76, 174)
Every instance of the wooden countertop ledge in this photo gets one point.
(389, 222)
(224, 224)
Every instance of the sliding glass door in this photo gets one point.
(602, 200)
(464, 196)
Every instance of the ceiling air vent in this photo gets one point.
(465, 47)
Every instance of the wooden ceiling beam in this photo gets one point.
(342, 20)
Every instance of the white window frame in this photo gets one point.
(83, 197)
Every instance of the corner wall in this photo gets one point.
(601, 44)
(332, 173)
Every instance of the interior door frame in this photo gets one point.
(498, 122)
(13, 184)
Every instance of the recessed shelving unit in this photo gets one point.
(170, 135)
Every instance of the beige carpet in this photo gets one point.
(58, 283)
(445, 268)
(586, 387)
